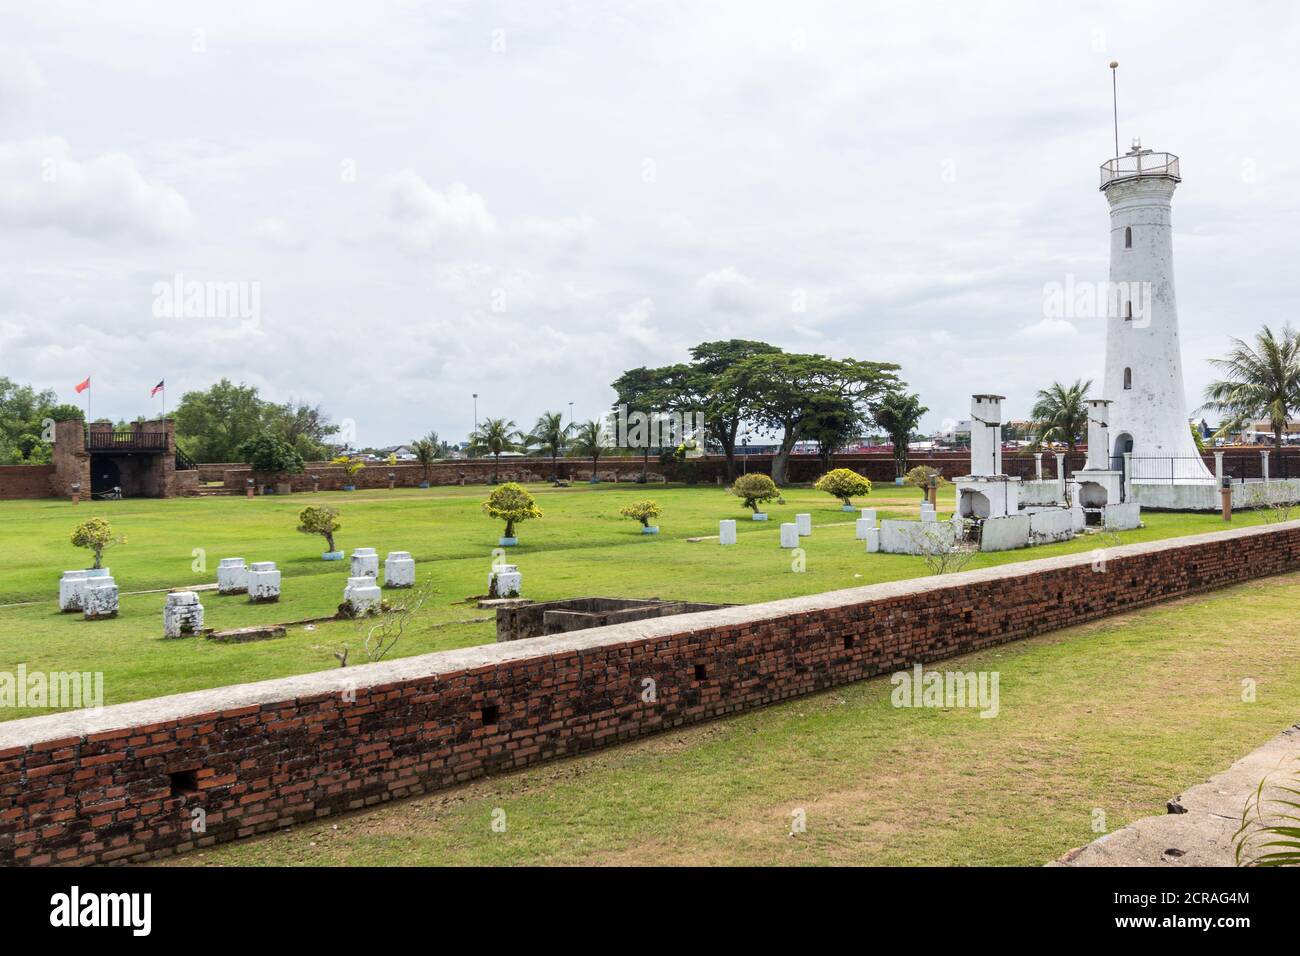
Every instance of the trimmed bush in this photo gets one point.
(755, 489)
(643, 511)
(511, 502)
(845, 484)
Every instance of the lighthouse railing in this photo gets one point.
(1136, 165)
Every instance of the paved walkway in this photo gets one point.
(1198, 829)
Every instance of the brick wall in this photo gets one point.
(25, 481)
(122, 783)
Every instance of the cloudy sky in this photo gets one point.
(523, 199)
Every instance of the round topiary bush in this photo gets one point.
(919, 477)
(511, 502)
(755, 489)
(644, 511)
(844, 484)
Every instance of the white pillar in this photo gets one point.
(232, 576)
(505, 581)
(362, 593)
(182, 615)
(1060, 474)
(1098, 434)
(789, 535)
(873, 540)
(804, 523)
(365, 563)
(986, 434)
(1263, 464)
(869, 514)
(263, 582)
(399, 570)
(1218, 469)
(727, 531)
(1038, 465)
(72, 591)
(1128, 476)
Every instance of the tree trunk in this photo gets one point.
(496, 468)
(645, 465)
(782, 457)
(510, 527)
(329, 540)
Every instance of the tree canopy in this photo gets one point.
(213, 423)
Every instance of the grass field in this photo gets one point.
(1116, 716)
(580, 547)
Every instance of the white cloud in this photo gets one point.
(572, 231)
(420, 215)
(728, 290)
(42, 185)
(277, 232)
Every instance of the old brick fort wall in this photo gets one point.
(124, 782)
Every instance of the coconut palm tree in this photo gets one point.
(551, 436)
(494, 437)
(1060, 412)
(1260, 381)
(589, 442)
(899, 414)
(425, 454)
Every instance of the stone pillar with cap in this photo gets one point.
(232, 576)
(182, 615)
(399, 570)
(263, 583)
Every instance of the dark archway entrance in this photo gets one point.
(104, 475)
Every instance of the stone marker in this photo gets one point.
(869, 514)
(861, 527)
(873, 540)
(789, 535)
(399, 570)
(72, 591)
(505, 581)
(365, 563)
(727, 531)
(803, 523)
(362, 593)
(928, 514)
(100, 596)
(232, 576)
(182, 615)
(263, 583)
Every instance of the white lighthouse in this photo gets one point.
(1144, 368)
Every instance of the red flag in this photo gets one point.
(156, 389)
(84, 385)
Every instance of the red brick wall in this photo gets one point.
(94, 787)
(25, 481)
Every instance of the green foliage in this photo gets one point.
(1061, 414)
(919, 477)
(589, 441)
(1261, 382)
(644, 511)
(322, 520)
(755, 488)
(97, 535)
(351, 464)
(494, 437)
(212, 424)
(1196, 437)
(551, 436)
(511, 503)
(1270, 837)
(899, 414)
(843, 483)
(269, 454)
(25, 423)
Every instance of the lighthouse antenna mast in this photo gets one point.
(1114, 100)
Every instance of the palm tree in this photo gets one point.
(589, 442)
(1262, 381)
(550, 435)
(494, 437)
(1060, 412)
(425, 453)
(899, 414)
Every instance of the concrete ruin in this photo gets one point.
(182, 615)
(522, 619)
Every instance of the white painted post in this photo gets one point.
(182, 615)
(789, 535)
(362, 593)
(869, 514)
(365, 563)
(1263, 464)
(803, 522)
(263, 583)
(232, 576)
(727, 531)
(505, 581)
(399, 570)
(1218, 469)
(1128, 476)
(1060, 474)
(100, 597)
(72, 591)
(873, 540)
(1038, 465)
(861, 527)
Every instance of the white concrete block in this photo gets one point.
(362, 593)
(1004, 534)
(869, 514)
(72, 591)
(263, 582)
(505, 581)
(1050, 524)
(928, 514)
(399, 570)
(100, 598)
(789, 535)
(1122, 516)
(861, 527)
(182, 615)
(803, 523)
(727, 531)
(365, 563)
(232, 576)
(873, 540)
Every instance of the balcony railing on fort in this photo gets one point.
(1157, 469)
(1135, 165)
(126, 441)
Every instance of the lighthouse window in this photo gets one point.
(1128, 379)
(1128, 311)
(1128, 237)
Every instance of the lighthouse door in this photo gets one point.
(1123, 443)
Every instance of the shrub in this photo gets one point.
(511, 502)
(844, 484)
(269, 454)
(97, 535)
(350, 465)
(643, 511)
(321, 520)
(919, 477)
(755, 489)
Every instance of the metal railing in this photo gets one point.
(126, 441)
(1163, 469)
(1135, 165)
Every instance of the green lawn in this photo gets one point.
(1118, 716)
(580, 547)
